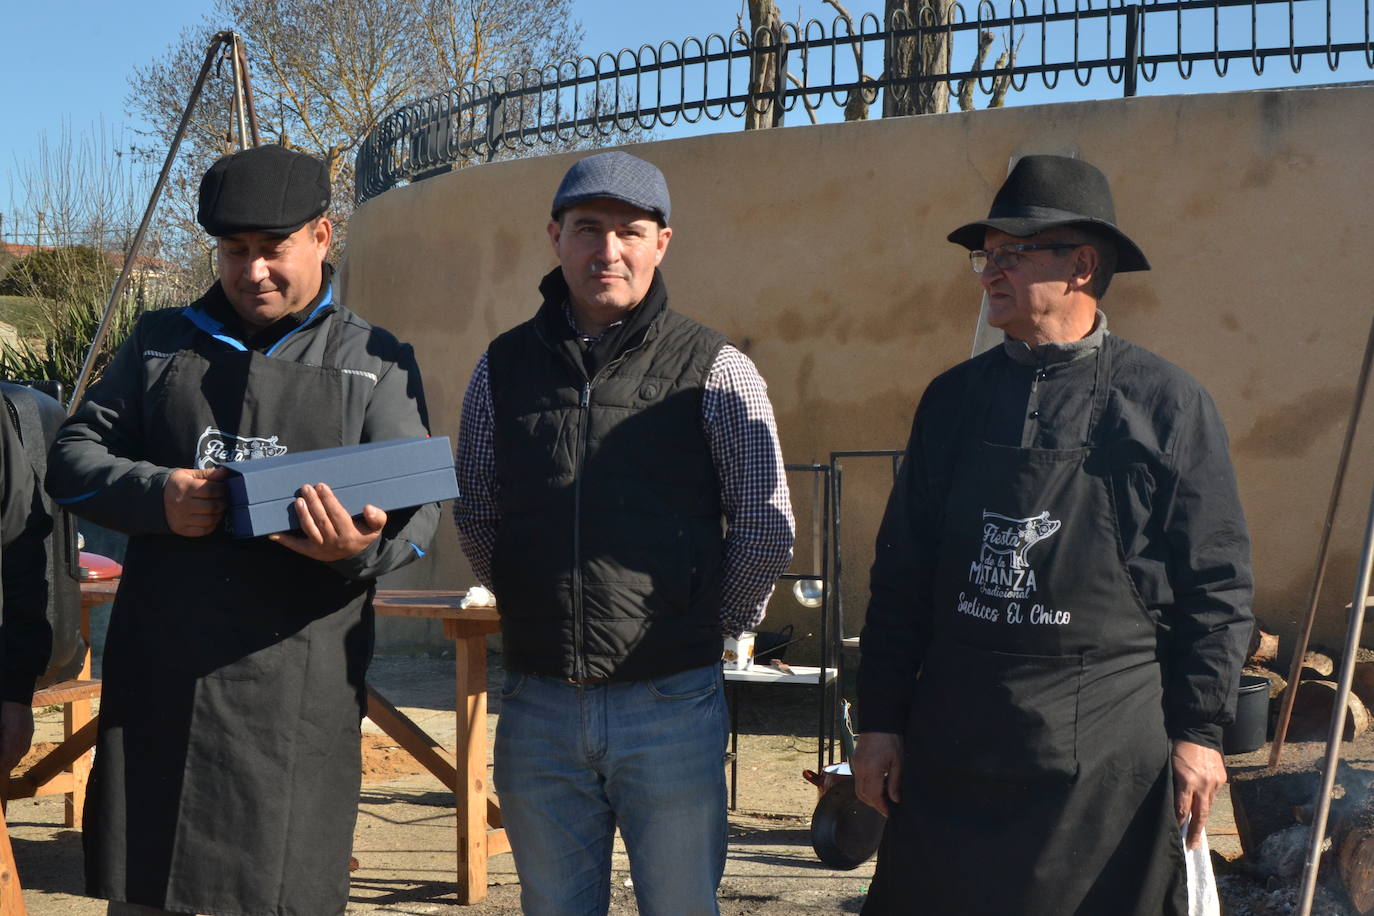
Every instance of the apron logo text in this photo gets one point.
(216, 447)
(1039, 615)
(1001, 577)
(975, 608)
(1002, 569)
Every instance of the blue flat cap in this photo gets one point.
(614, 176)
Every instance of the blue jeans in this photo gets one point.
(573, 762)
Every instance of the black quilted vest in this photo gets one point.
(608, 558)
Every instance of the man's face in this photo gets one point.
(608, 251)
(1035, 293)
(267, 276)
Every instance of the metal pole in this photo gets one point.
(1132, 64)
(242, 60)
(836, 576)
(1333, 741)
(84, 378)
(493, 106)
(1323, 551)
(780, 80)
(240, 116)
(824, 710)
(828, 594)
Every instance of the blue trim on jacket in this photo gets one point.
(215, 328)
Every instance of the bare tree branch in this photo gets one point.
(765, 28)
(965, 93)
(806, 103)
(856, 107)
(335, 70)
(1002, 83)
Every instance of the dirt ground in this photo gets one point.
(406, 833)
(405, 838)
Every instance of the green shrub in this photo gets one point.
(66, 332)
(76, 273)
(24, 314)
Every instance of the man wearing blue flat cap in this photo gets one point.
(1060, 595)
(623, 495)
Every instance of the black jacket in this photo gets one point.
(97, 467)
(1182, 530)
(25, 635)
(608, 558)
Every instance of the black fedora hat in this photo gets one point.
(1044, 192)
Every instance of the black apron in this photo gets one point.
(227, 769)
(1036, 778)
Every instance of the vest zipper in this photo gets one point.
(579, 660)
(583, 403)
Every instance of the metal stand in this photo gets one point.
(1323, 551)
(824, 678)
(242, 105)
(837, 541)
(1322, 807)
(820, 571)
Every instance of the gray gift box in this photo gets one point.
(389, 475)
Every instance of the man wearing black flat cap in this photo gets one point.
(623, 493)
(1060, 595)
(227, 769)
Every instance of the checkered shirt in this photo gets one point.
(738, 421)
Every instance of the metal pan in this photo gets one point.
(844, 831)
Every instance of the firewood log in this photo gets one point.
(1311, 716)
(1353, 845)
(1363, 684)
(1277, 682)
(1264, 648)
(1317, 665)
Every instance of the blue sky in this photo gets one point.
(68, 61)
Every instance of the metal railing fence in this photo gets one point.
(588, 100)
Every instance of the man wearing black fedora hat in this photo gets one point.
(1060, 595)
(227, 768)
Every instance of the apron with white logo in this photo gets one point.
(227, 770)
(1036, 778)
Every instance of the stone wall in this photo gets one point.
(820, 252)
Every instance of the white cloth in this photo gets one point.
(478, 596)
(1202, 883)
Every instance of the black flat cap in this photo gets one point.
(1045, 192)
(263, 189)
(614, 176)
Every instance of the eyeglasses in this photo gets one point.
(1005, 257)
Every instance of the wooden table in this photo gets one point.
(66, 768)
(465, 771)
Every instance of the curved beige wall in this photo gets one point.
(820, 251)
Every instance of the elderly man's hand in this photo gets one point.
(1199, 772)
(328, 532)
(877, 768)
(194, 500)
(16, 734)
